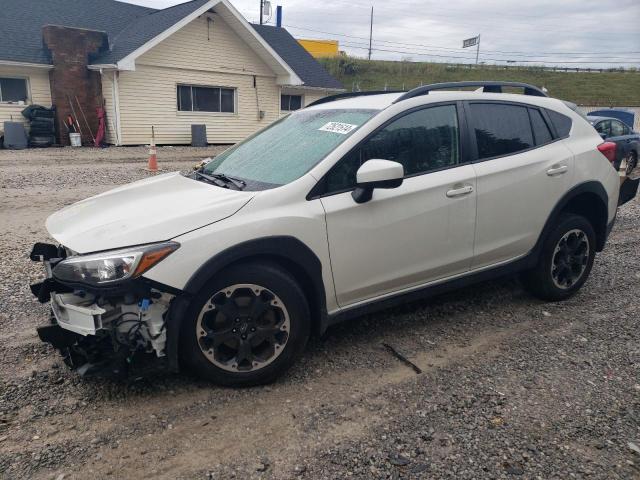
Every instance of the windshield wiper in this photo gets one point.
(239, 184)
(217, 178)
(209, 179)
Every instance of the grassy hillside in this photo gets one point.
(585, 88)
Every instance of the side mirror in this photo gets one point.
(376, 174)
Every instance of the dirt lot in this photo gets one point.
(511, 387)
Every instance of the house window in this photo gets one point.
(13, 89)
(193, 98)
(289, 103)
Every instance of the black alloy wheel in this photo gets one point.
(243, 327)
(246, 326)
(570, 258)
(565, 261)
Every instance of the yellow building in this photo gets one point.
(320, 48)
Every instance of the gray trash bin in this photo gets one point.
(198, 135)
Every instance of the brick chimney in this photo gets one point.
(71, 51)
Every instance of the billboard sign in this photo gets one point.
(470, 42)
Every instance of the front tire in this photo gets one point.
(246, 326)
(567, 256)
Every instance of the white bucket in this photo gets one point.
(75, 139)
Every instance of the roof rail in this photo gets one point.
(488, 86)
(340, 96)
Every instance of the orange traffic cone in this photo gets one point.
(152, 165)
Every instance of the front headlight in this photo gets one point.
(112, 266)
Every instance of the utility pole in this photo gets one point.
(370, 32)
(262, 8)
(478, 50)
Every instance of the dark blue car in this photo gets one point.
(627, 141)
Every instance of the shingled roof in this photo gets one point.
(305, 66)
(145, 28)
(21, 23)
(128, 28)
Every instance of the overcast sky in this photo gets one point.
(587, 33)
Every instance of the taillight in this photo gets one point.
(608, 149)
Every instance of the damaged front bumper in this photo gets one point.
(104, 329)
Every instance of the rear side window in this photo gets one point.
(501, 129)
(562, 123)
(541, 132)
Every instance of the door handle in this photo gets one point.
(458, 192)
(557, 170)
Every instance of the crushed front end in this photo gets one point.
(103, 312)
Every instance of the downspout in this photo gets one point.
(260, 113)
(116, 107)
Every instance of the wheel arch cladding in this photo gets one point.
(289, 253)
(589, 200)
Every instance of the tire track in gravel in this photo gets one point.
(277, 414)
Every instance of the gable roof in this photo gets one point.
(132, 29)
(307, 68)
(143, 29)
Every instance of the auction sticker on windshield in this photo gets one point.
(338, 127)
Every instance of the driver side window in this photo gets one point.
(422, 141)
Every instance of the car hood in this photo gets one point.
(150, 210)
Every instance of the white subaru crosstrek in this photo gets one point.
(352, 204)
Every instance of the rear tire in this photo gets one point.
(246, 326)
(566, 259)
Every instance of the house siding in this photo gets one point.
(148, 95)
(206, 45)
(39, 91)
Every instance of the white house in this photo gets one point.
(199, 62)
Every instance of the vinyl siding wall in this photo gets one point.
(202, 53)
(38, 89)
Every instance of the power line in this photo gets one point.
(491, 59)
(458, 50)
(353, 44)
(448, 48)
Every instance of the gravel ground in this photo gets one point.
(510, 387)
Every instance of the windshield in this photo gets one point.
(288, 148)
